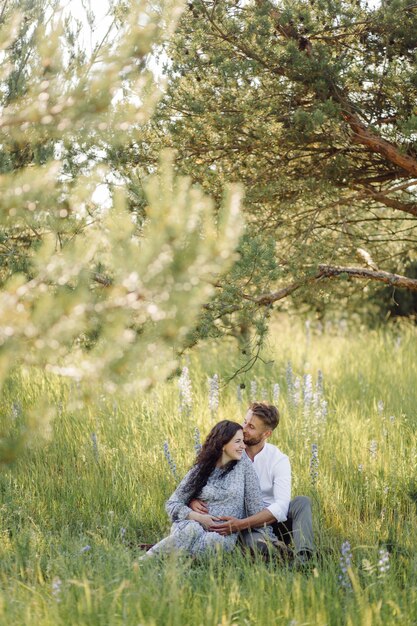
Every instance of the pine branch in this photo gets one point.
(270, 298)
(326, 271)
(365, 137)
(406, 207)
(333, 271)
(361, 133)
(395, 280)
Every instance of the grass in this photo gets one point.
(74, 509)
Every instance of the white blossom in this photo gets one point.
(275, 393)
(214, 394)
(314, 464)
(186, 392)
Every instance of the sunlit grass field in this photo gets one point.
(74, 509)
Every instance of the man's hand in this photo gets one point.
(230, 525)
(207, 521)
(198, 506)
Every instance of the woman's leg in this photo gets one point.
(182, 538)
(190, 537)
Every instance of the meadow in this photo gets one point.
(75, 508)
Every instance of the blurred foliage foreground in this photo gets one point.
(88, 292)
(73, 511)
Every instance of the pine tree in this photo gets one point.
(312, 105)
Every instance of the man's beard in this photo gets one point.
(252, 441)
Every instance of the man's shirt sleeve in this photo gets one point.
(281, 487)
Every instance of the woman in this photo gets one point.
(224, 478)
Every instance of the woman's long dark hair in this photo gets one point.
(210, 453)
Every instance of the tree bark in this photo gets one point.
(362, 135)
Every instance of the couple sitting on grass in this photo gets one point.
(239, 488)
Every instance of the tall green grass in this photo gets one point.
(74, 509)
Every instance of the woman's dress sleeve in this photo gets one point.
(176, 505)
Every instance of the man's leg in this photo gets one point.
(298, 527)
(258, 543)
(255, 541)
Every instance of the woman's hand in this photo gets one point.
(198, 506)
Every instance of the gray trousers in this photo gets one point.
(296, 530)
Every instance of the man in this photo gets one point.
(290, 519)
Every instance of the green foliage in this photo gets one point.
(295, 99)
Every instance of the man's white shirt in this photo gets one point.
(274, 472)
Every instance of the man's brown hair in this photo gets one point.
(268, 413)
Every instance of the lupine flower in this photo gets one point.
(314, 464)
(319, 383)
(171, 462)
(317, 412)
(373, 449)
(320, 410)
(307, 393)
(239, 394)
(264, 395)
(16, 409)
(275, 393)
(343, 325)
(307, 325)
(296, 391)
(383, 562)
(323, 407)
(85, 549)
(380, 407)
(95, 445)
(214, 394)
(360, 468)
(122, 534)
(197, 440)
(289, 378)
(253, 389)
(56, 588)
(186, 393)
(345, 564)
